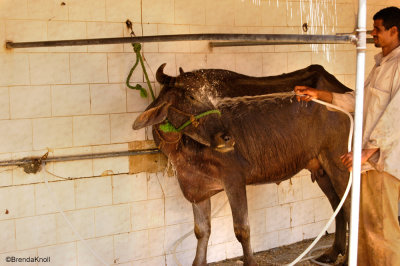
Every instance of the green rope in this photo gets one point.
(168, 127)
(143, 93)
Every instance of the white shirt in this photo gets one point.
(381, 123)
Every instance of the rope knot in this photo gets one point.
(194, 121)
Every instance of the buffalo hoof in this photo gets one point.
(250, 262)
(329, 256)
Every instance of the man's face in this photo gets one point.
(382, 37)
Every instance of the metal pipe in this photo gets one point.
(24, 161)
(357, 144)
(292, 38)
(252, 43)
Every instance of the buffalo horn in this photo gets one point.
(164, 79)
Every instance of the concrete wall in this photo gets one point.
(72, 100)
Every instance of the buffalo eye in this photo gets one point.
(191, 97)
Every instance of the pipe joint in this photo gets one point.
(361, 39)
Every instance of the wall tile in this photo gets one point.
(47, 10)
(27, 31)
(63, 30)
(30, 101)
(7, 236)
(155, 187)
(14, 9)
(88, 68)
(112, 220)
(274, 64)
(171, 47)
(310, 189)
(290, 191)
(156, 241)
(107, 98)
(52, 133)
(158, 11)
(60, 255)
(104, 30)
(177, 210)
(286, 30)
(128, 188)
(251, 17)
(174, 233)
(31, 233)
(19, 254)
(136, 103)
(16, 135)
(93, 192)
(257, 222)
(220, 205)
(112, 165)
(91, 130)
(291, 235)
(14, 69)
(121, 128)
(89, 10)
(147, 214)
(103, 248)
(277, 218)
(83, 222)
(73, 169)
(70, 100)
(233, 249)
(216, 253)
(119, 65)
(222, 230)
(345, 62)
(156, 261)
(260, 48)
(323, 209)
(190, 12)
(312, 230)
(49, 68)
(346, 15)
(298, 60)
(262, 196)
(132, 246)
(190, 62)
(302, 212)
(120, 11)
(221, 61)
(155, 60)
(274, 13)
(6, 172)
(64, 193)
(264, 241)
(217, 12)
(184, 258)
(148, 30)
(4, 103)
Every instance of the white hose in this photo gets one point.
(55, 202)
(345, 193)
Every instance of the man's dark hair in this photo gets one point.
(390, 17)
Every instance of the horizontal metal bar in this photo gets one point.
(252, 43)
(292, 38)
(23, 161)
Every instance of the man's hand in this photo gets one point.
(347, 159)
(306, 93)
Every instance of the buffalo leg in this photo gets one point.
(202, 229)
(238, 201)
(339, 244)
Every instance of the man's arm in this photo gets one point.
(347, 159)
(306, 93)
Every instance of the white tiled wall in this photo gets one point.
(73, 100)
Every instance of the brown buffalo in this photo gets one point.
(254, 140)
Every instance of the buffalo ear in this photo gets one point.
(152, 116)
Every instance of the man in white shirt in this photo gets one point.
(379, 230)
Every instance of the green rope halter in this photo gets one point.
(143, 92)
(168, 127)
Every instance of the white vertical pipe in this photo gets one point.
(357, 144)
